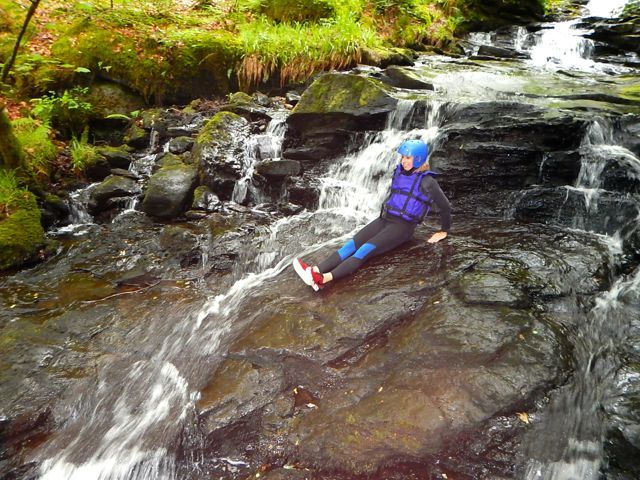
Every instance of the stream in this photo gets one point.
(142, 366)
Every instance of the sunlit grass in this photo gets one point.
(299, 50)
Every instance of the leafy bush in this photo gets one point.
(68, 113)
(39, 150)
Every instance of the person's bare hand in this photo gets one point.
(436, 237)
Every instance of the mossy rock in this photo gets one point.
(219, 128)
(137, 137)
(169, 160)
(219, 151)
(631, 92)
(110, 98)
(240, 98)
(170, 191)
(113, 186)
(348, 94)
(21, 234)
(384, 57)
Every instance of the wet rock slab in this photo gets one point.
(391, 366)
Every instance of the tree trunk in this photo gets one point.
(9, 63)
(10, 150)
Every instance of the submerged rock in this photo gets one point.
(114, 186)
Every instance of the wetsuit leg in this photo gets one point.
(349, 248)
(392, 235)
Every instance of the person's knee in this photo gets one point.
(364, 251)
(347, 250)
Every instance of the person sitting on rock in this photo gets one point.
(413, 190)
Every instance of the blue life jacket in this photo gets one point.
(406, 200)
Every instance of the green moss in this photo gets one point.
(240, 98)
(11, 155)
(631, 92)
(343, 93)
(217, 128)
(21, 233)
(156, 66)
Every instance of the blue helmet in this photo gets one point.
(416, 149)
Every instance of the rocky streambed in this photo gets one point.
(168, 338)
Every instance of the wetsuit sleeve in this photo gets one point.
(430, 187)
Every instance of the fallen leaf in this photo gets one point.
(524, 417)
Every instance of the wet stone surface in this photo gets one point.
(360, 378)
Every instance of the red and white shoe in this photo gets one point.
(306, 273)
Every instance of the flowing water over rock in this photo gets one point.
(190, 350)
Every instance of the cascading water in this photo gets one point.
(563, 44)
(266, 146)
(568, 443)
(119, 433)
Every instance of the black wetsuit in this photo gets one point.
(383, 234)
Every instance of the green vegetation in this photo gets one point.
(10, 192)
(83, 154)
(69, 112)
(20, 232)
(39, 150)
(11, 154)
(174, 52)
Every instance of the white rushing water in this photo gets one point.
(564, 44)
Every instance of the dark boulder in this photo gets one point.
(482, 15)
(607, 212)
(331, 108)
(170, 191)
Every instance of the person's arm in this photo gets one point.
(430, 186)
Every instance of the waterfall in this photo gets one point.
(568, 443)
(127, 422)
(266, 146)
